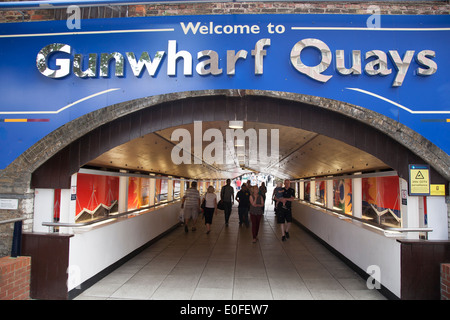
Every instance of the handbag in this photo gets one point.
(203, 205)
(221, 205)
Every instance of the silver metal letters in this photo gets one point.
(56, 61)
(401, 65)
(377, 66)
(316, 71)
(213, 63)
(232, 58)
(92, 66)
(63, 64)
(423, 60)
(356, 63)
(138, 66)
(105, 58)
(259, 54)
(377, 62)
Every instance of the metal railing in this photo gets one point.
(12, 220)
(388, 231)
(17, 235)
(106, 218)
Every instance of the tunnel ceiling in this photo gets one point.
(301, 154)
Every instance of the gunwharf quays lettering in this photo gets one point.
(209, 61)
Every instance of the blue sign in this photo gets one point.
(52, 73)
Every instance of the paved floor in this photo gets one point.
(225, 264)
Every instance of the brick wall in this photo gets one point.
(445, 281)
(250, 7)
(15, 278)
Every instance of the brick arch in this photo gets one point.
(65, 150)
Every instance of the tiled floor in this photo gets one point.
(225, 264)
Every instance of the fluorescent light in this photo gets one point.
(236, 124)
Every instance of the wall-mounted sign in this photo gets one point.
(437, 190)
(51, 75)
(419, 180)
(9, 204)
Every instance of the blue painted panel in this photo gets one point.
(33, 105)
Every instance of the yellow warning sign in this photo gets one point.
(437, 190)
(419, 176)
(419, 180)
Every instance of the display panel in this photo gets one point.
(381, 200)
(138, 193)
(97, 196)
(342, 195)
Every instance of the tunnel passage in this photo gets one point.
(56, 171)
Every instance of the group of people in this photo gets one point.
(251, 200)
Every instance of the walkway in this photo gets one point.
(226, 265)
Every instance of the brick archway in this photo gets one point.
(63, 152)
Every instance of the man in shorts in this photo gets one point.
(191, 205)
(284, 212)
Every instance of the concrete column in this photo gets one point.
(182, 184)
(357, 197)
(329, 193)
(152, 191)
(301, 193)
(123, 194)
(312, 191)
(437, 218)
(67, 212)
(65, 206)
(43, 208)
(170, 189)
(422, 211)
(410, 212)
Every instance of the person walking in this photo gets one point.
(238, 184)
(284, 210)
(243, 197)
(262, 192)
(256, 211)
(210, 207)
(277, 195)
(227, 197)
(191, 205)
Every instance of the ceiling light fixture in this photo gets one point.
(236, 124)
